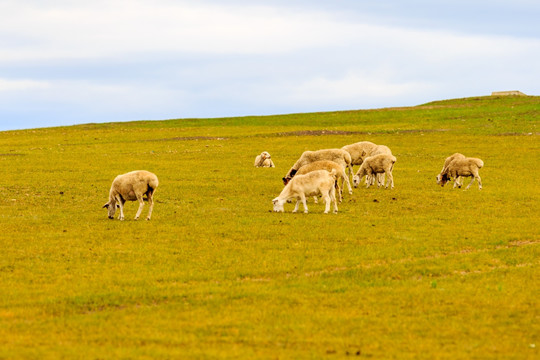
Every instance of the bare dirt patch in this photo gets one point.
(342, 132)
(188, 138)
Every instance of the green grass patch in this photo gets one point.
(418, 272)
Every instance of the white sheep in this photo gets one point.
(361, 150)
(462, 167)
(339, 156)
(459, 179)
(328, 166)
(377, 150)
(264, 160)
(131, 187)
(378, 164)
(318, 182)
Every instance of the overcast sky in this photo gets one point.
(68, 62)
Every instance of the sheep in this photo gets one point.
(130, 187)
(318, 182)
(339, 156)
(459, 179)
(377, 150)
(328, 166)
(378, 164)
(264, 160)
(365, 149)
(462, 167)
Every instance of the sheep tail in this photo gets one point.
(152, 185)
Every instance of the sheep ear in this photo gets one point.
(106, 206)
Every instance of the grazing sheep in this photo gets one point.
(462, 167)
(378, 164)
(328, 166)
(318, 182)
(339, 156)
(264, 160)
(364, 149)
(459, 179)
(130, 187)
(377, 150)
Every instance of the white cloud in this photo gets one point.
(22, 85)
(353, 87)
(109, 29)
(116, 29)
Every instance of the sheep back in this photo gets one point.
(380, 149)
(359, 151)
(339, 156)
(135, 182)
(379, 163)
(311, 183)
(320, 165)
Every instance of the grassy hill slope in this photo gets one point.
(417, 272)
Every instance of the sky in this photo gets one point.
(65, 62)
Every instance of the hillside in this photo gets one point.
(421, 271)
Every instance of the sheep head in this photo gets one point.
(111, 207)
(444, 179)
(356, 181)
(359, 175)
(278, 205)
(289, 176)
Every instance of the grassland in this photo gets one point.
(419, 272)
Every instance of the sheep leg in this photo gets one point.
(468, 186)
(349, 170)
(333, 198)
(141, 205)
(348, 187)
(315, 200)
(369, 182)
(390, 180)
(150, 195)
(326, 198)
(296, 206)
(457, 182)
(303, 198)
(120, 202)
(477, 177)
(339, 190)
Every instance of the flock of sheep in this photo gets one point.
(318, 173)
(315, 173)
